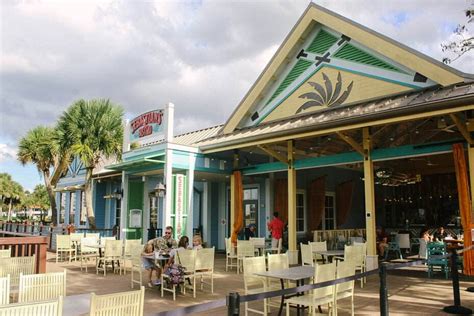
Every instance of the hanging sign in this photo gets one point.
(149, 125)
(179, 204)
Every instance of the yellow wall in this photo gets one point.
(363, 88)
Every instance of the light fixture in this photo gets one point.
(118, 194)
(160, 189)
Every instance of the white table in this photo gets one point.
(297, 274)
(77, 305)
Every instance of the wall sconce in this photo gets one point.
(160, 189)
(117, 194)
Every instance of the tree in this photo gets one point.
(38, 199)
(41, 147)
(464, 39)
(11, 192)
(92, 129)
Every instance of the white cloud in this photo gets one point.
(7, 152)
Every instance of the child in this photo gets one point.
(197, 242)
(149, 264)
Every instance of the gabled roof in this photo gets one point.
(386, 53)
(335, 119)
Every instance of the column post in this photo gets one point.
(292, 240)
(369, 193)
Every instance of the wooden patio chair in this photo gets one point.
(136, 266)
(14, 266)
(205, 266)
(112, 255)
(306, 255)
(245, 249)
(118, 304)
(64, 246)
(86, 252)
(5, 253)
(320, 296)
(130, 245)
(230, 255)
(346, 289)
(5, 290)
(318, 246)
(43, 308)
(40, 287)
(254, 284)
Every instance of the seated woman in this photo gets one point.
(382, 241)
(426, 236)
(182, 245)
(150, 265)
(197, 242)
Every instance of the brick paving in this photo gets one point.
(410, 290)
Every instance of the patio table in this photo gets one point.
(329, 254)
(297, 274)
(76, 305)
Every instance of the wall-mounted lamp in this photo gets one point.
(160, 189)
(117, 194)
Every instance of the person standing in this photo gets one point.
(276, 226)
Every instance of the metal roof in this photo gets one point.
(194, 137)
(413, 102)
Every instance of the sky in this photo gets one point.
(203, 56)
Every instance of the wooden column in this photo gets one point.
(369, 193)
(470, 157)
(291, 199)
(235, 165)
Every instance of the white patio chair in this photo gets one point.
(64, 246)
(130, 244)
(205, 266)
(43, 286)
(187, 259)
(230, 255)
(94, 235)
(306, 255)
(118, 304)
(346, 289)
(320, 296)
(76, 241)
(44, 308)
(112, 254)
(14, 266)
(276, 262)
(318, 246)
(258, 243)
(422, 251)
(277, 249)
(254, 284)
(86, 252)
(5, 253)
(245, 249)
(357, 255)
(136, 266)
(5, 290)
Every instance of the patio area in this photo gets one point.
(410, 290)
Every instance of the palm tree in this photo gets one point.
(40, 146)
(92, 129)
(11, 192)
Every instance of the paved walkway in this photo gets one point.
(410, 291)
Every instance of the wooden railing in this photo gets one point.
(24, 245)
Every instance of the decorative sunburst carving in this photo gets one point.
(325, 96)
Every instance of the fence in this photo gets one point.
(26, 245)
(234, 300)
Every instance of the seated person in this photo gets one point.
(250, 231)
(426, 236)
(150, 265)
(182, 245)
(440, 234)
(166, 243)
(197, 242)
(382, 241)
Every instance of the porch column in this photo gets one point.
(292, 251)
(232, 204)
(168, 179)
(124, 207)
(369, 193)
(470, 157)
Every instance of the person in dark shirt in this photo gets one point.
(250, 231)
(440, 234)
(382, 241)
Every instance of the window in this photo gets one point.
(329, 219)
(72, 208)
(62, 207)
(300, 211)
(250, 206)
(83, 219)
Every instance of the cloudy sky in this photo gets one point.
(201, 55)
